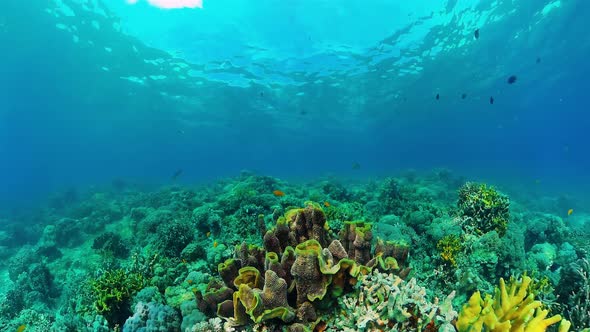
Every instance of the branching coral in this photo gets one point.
(511, 308)
(579, 311)
(385, 301)
(112, 294)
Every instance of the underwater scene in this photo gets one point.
(294, 165)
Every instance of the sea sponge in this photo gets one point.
(228, 271)
(398, 249)
(356, 238)
(308, 223)
(337, 250)
(268, 303)
(272, 263)
(383, 263)
(511, 308)
(250, 255)
(272, 243)
(287, 261)
(274, 293)
(215, 293)
(310, 282)
(249, 276)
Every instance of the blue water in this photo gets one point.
(295, 89)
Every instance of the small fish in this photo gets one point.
(511, 79)
(177, 174)
(356, 166)
(437, 96)
(537, 181)
(570, 211)
(180, 131)
(261, 94)
(476, 34)
(278, 193)
(21, 328)
(184, 261)
(327, 204)
(538, 60)
(189, 281)
(215, 244)
(463, 96)
(492, 100)
(208, 234)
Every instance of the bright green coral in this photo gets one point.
(112, 292)
(483, 209)
(512, 308)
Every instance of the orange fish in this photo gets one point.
(190, 281)
(21, 328)
(278, 193)
(327, 204)
(208, 234)
(184, 261)
(570, 211)
(215, 244)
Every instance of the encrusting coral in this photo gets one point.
(512, 308)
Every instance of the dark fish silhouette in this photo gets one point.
(492, 100)
(261, 94)
(356, 166)
(177, 174)
(476, 34)
(538, 60)
(463, 96)
(512, 79)
(437, 96)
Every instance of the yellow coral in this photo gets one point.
(449, 246)
(510, 309)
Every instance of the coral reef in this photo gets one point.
(315, 271)
(234, 256)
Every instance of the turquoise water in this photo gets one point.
(95, 93)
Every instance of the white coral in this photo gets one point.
(385, 300)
